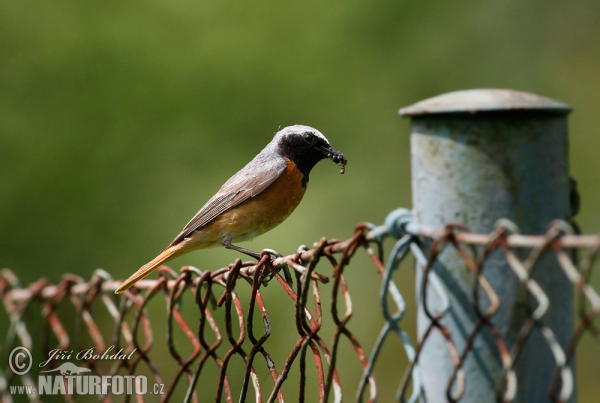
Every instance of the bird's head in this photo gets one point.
(306, 146)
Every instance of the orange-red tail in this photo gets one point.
(164, 256)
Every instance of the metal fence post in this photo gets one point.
(478, 156)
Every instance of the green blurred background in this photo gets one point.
(118, 120)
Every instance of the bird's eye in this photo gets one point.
(308, 137)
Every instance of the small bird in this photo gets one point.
(253, 201)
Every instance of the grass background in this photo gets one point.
(118, 120)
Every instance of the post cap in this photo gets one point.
(485, 100)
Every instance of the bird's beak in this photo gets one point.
(334, 155)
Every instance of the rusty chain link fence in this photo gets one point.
(74, 310)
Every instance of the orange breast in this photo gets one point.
(258, 214)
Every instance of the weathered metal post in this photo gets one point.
(478, 156)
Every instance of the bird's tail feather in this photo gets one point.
(169, 253)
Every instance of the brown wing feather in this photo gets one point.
(248, 182)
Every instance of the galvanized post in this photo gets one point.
(478, 156)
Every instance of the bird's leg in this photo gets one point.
(227, 244)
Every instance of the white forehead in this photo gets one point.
(299, 129)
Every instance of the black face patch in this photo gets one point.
(303, 149)
(298, 144)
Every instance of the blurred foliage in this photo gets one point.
(118, 120)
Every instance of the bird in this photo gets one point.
(255, 200)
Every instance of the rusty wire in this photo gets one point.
(217, 291)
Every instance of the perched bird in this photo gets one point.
(253, 201)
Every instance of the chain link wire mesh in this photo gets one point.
(243, 331)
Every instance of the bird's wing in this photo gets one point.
(248, 182)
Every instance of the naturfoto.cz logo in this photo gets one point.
(71, 379)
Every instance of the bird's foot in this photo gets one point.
(286, 270)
